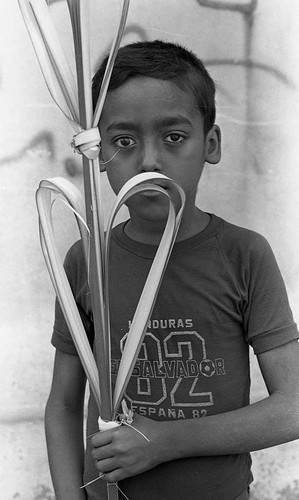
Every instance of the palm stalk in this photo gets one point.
(73, 96)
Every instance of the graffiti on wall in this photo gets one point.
(247, 11)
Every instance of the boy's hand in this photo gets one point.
(123, 452)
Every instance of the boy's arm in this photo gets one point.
(64, 427)
(269, 422)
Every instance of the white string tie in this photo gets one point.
(87, 142)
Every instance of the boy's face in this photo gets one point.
(156, 127)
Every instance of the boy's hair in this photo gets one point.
(163, 61)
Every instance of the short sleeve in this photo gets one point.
(268, 318)
(76, 272)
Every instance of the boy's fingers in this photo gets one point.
(101, 453)
(105, 466)
(114, 476)
(101, 438)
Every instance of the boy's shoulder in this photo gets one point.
(232, 236)
(243, 242)
(75, 252)
(241, 233)
(74, 263)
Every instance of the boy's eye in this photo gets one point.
(174, 137)
(124, 142)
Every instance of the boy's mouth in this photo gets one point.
(154, 193)
(163, 184)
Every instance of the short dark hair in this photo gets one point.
(163, 61)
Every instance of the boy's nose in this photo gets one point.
(149, 161)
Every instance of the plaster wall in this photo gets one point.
(254, 61)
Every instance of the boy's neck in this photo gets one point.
(150, 233)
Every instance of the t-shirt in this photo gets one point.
(222, 291)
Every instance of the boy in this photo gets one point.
(221, 291)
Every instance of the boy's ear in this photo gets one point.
(213, 145)
(101, 160)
